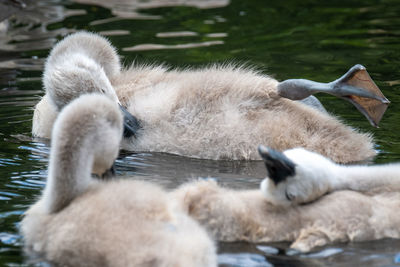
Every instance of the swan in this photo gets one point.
(218, 112)
(306, 199)
(338, 203)
(80, 220)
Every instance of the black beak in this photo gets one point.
(131, 124)
(110, 173)
(279, 166)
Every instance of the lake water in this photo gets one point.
(317, 40)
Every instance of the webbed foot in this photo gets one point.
(356, 86)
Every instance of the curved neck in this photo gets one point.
(69, 174)
(369, 178)
(69, 76)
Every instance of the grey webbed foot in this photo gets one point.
(356, 86)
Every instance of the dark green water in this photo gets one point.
(317, 40)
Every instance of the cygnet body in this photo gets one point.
(218, 112)
(83, 221)
(319, 203)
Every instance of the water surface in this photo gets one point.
(317, 40)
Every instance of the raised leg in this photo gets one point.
(356, 86)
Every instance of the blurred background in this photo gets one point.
(318, 40)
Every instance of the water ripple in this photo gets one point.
(397, 258)
(328, 252)
(176, 34)
(243, 259)
(8, 238)
(146, 47)
(134, 9)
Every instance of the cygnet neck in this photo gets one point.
(71, 161)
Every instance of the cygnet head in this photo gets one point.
(81, 63)
(293, 162)
(295, 167)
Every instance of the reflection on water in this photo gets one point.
(131, 9)
(142, 47)
(309, 39)
(171, 170)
